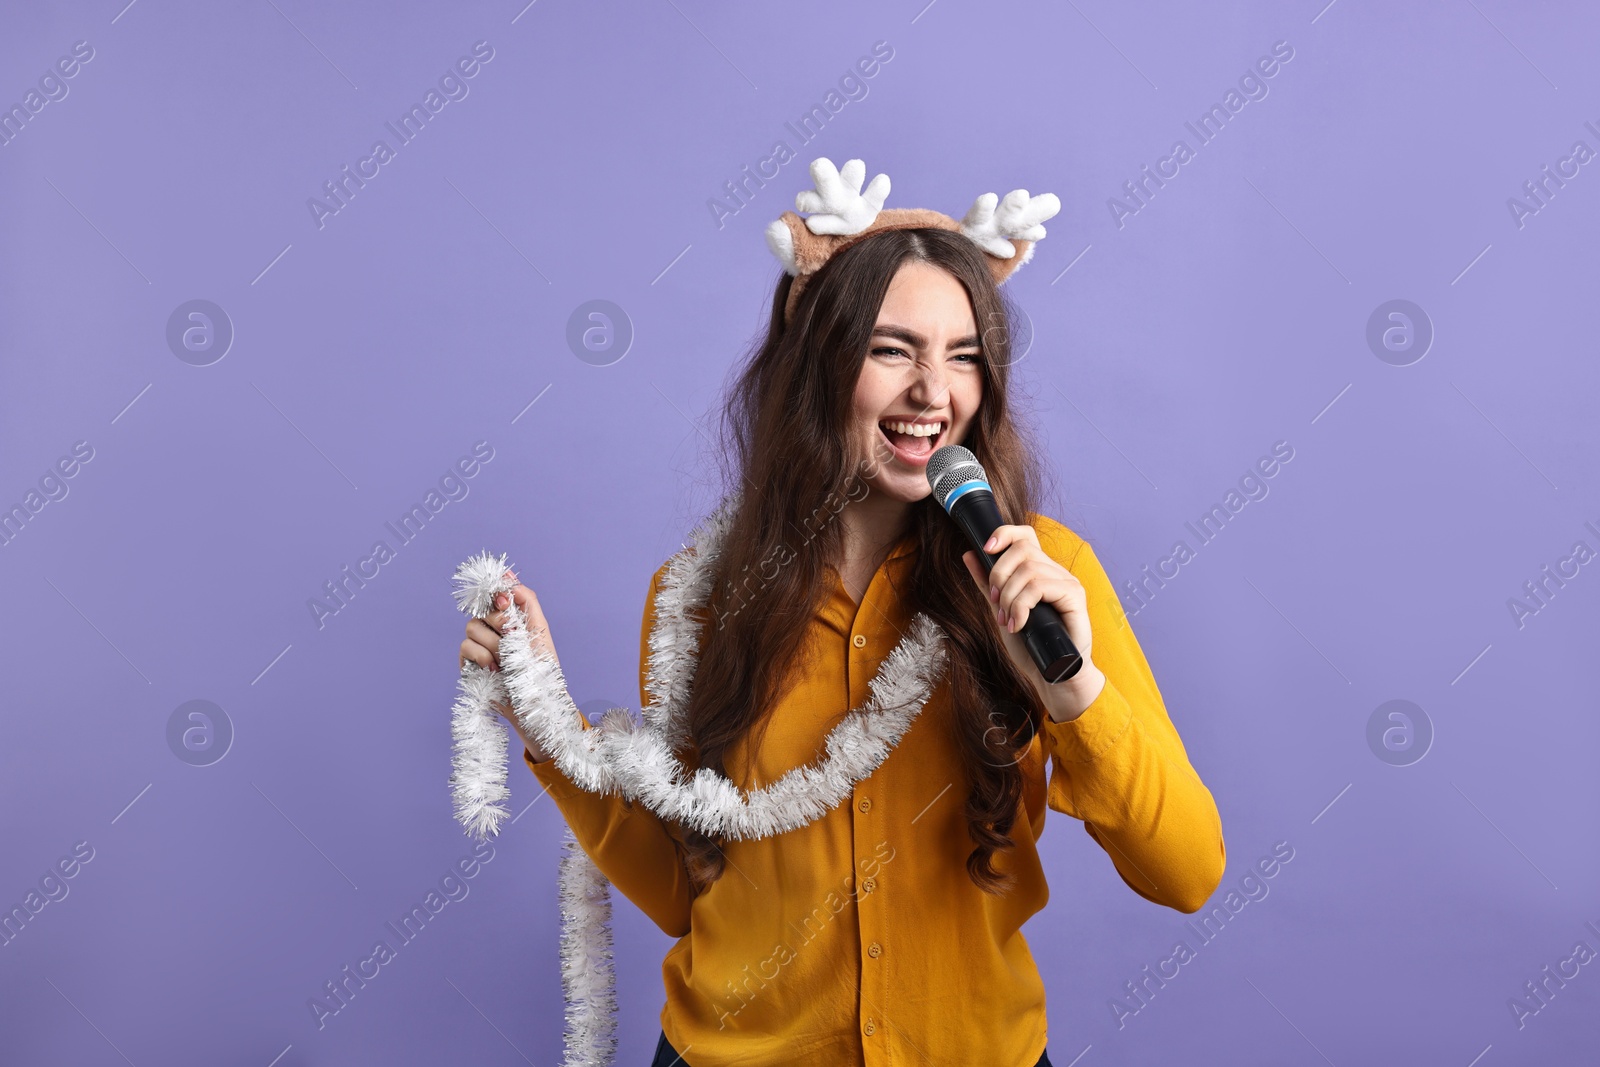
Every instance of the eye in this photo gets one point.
(888, 348)
(972, 358)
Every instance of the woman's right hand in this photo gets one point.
(482, 646)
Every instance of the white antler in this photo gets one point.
(1018, 216)
(837, 204)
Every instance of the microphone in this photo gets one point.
(961, 487)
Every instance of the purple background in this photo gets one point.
(1227, 314)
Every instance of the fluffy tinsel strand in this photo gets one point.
(638, 760)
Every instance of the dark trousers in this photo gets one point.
(667, 1056)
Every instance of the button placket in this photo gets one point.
(867, 830)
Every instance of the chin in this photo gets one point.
(904, 486)
(913, 488)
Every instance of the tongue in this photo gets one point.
(917, 446)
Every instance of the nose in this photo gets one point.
(931, 387)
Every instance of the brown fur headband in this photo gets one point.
(841, 214)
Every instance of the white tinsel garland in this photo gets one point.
(638, 760)
(586, 965)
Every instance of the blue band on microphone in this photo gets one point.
(962, 489)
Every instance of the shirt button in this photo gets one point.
(874, 950)
(869, 885)
(860, 640)
(866, 804)
(870, 1028)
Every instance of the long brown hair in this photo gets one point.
(786, 428)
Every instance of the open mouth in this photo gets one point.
(912, 441)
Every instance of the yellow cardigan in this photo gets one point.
(859, 938)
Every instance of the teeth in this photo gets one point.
(925, 430)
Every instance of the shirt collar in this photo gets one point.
(905, 548)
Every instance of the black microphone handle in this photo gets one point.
(1044, 633)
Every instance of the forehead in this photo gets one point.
(926, 298)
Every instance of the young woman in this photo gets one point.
(887, 931)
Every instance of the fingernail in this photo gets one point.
(994, 593)
(988, 546)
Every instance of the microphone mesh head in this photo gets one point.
(951, 466)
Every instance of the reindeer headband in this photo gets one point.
(841, 214)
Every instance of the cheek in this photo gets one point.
(966, 398)
(874, 392)
(975, 390)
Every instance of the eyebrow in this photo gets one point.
(912, 337)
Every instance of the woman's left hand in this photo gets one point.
(1023, 576)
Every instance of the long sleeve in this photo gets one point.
(1121, 767)
(628, 842)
